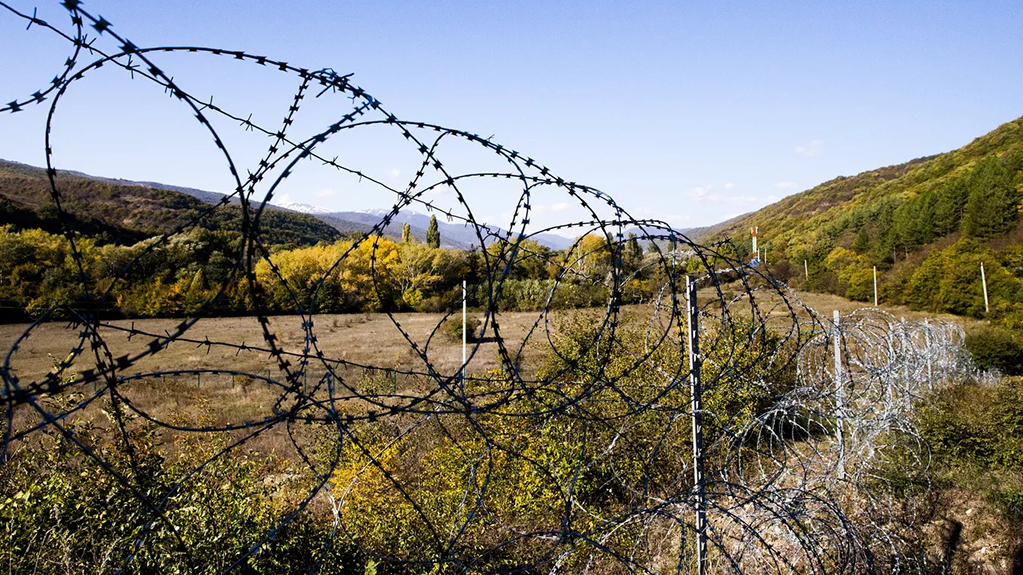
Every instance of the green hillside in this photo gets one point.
(927, 225)
(112, 212)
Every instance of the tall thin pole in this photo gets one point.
(806, 270)
(906, 347)
(875, 286)
(693, 333)
(927, 343)
(463, 331)
(839, 396)
(983, 280)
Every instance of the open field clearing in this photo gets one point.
(359, 348)
(215, 397)
(360, 340)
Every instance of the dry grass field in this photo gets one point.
(216, 399)
(364, 339)
(361, 339)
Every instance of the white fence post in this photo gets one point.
(983, 281)
(927, 342)
(693, 333)
(839, 396)
(875, 286)
(463, 332)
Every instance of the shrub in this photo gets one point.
(472, 325)
(61, 512)
(975, 434)
(973, 426)
(1011, 502)
(996, 348)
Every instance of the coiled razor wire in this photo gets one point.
(790, 434)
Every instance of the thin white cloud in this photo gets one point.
(811, 150)
(395, 173)
(709, 195)
(671, 218)
(325, 193)
(544, 208)
(703, 194)
(658, 214)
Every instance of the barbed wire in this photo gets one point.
(759, 454)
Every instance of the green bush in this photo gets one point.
(1011, 502)
(61, 512)
(472, 326)
(975, 435)
(976, 427)
(996, 348)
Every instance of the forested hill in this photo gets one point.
(926, 224)
(125, 213)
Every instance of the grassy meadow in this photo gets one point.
(363, 339)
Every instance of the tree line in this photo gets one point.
(200, 272)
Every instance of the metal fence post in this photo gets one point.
(839, 396)
(983, 281)
(693, 333)
(875, 286)
(907, 345)
(464, 335)
(927, 341)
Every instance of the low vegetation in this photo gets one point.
(63, 512)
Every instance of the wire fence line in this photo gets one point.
(723, 426)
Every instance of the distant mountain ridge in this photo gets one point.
(21, 206)
(454, 236)
(126, 212)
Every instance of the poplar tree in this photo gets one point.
(433, 233)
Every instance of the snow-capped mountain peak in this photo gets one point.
(374, 212)
(304, 208)
(383, 212)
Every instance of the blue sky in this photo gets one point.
(688, 111)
